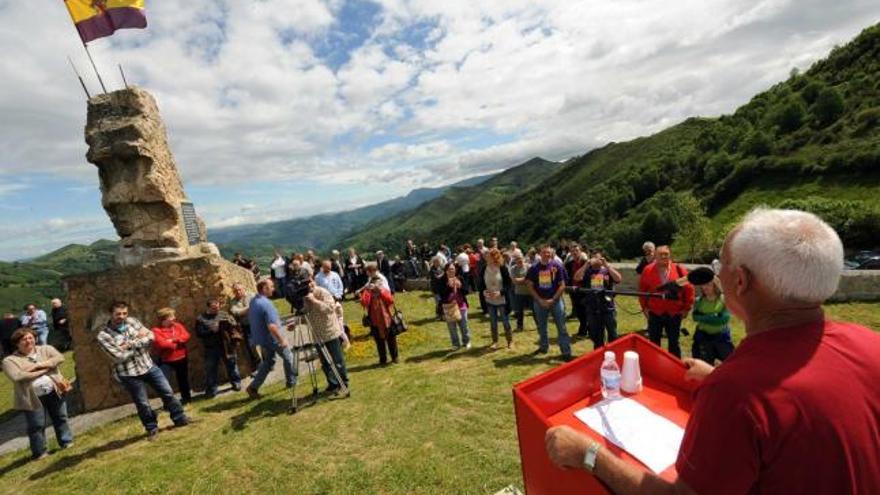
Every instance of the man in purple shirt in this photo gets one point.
(546, 282)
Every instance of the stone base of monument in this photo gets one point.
(183, 284)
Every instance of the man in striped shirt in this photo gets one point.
(127, 342)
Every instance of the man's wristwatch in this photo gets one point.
(591, 455)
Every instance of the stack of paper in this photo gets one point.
(649, 437)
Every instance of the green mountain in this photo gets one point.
(319, 232)
(39, 279)
(461, 202)
(811, 142)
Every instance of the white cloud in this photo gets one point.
(246, 98)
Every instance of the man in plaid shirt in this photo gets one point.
(127, 342)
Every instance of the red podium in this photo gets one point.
(551, 399)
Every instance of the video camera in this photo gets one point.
(297, 288)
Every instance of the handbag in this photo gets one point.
(451, 312)
(62, 385)
(398, 323)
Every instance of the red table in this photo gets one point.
(551, 399)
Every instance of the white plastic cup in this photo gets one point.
(631, 376)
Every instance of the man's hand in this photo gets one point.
(697, 369)
(143, 332)
(565, 446)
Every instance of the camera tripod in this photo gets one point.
(306, 345)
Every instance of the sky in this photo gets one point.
(284, 108)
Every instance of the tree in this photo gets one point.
(694, 228)
(828, 107)
(757, 144)
(790, 117)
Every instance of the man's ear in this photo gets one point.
(743, 280)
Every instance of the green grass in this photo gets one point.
(439, 422)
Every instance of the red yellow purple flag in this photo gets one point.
(99, 18)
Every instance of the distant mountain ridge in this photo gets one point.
(391, 233)
(321, 231)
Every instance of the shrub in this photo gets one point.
(828, 107)
(757, 144)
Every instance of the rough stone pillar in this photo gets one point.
(158, 263)
(140, 187)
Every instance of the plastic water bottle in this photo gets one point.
(610, 375)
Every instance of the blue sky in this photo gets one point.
(285, 108)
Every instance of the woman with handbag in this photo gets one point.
(39, 389)
(379, 305)
(495, 284)
(453, 295)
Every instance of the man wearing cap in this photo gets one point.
(796, 407)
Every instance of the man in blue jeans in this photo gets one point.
(267, 333)
(127, 342)
(546, 282)
(213, 327)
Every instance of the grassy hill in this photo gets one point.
(810, 142)
(457, 202)
(39, 280)
(440, 422)
(319, 232)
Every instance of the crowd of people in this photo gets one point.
(507, 283)
(778, 299)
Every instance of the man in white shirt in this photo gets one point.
(330, 280)
(463, 262)
(279, 272)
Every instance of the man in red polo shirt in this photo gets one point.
(665, 315)
(796, 408)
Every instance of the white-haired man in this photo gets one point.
(796, 408)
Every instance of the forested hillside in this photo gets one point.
(457, 202)
(39, 280)
(810, 142)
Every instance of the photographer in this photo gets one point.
(598, 276)
(379, 304)
(216, 329)
(578, 260)
(322, 313)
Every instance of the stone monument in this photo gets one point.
(164, 258)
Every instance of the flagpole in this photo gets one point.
(88, 96)
(86, 46)
(123, 76)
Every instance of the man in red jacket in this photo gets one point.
(665, 314)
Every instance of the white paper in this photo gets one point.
(645, 435)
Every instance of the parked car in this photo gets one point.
(863, 262)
